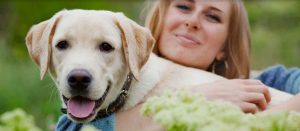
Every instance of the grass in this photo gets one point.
(21, 87)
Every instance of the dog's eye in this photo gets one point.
(106, 47)
(62, 45)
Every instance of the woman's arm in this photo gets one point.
(249, 95)
(293, 104)
(132, 120)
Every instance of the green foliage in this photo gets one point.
(275, 29)
(182, 111)
(20, 86)
(17, 120)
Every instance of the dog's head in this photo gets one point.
(89, 54)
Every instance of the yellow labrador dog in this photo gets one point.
(101, 62)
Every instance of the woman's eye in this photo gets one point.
(183, 7)
(62, 45)
(215, 18)
(106, 47)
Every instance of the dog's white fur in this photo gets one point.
(85, 30)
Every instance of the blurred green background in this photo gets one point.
(275, 29)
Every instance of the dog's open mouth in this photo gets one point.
(81, 108)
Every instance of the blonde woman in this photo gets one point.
(213, 36)
(208, 35)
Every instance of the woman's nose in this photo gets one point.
(193, 22)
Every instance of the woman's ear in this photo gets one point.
(220, 56)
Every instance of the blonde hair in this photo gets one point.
(237, 45)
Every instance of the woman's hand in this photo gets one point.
(250, 95)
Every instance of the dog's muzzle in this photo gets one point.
(79, 105)
(80, 108)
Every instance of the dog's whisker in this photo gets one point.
(53, 88)
(54, 94)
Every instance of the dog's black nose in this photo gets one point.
(79, 79)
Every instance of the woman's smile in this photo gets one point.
(187, 40)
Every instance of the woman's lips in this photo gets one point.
(187, 40)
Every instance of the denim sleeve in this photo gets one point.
(281, 78)
(104, 124)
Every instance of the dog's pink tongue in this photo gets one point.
(80, 107)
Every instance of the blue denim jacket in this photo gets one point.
(281, 78)
(104, 124)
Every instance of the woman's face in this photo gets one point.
(194, 32)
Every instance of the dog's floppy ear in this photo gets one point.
(38, 42)
(137, 43)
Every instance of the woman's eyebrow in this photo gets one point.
(193, 1)
(216, 9)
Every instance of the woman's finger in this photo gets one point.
(260, 89)
(258, 99)
(248, 81)
(248, 107)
